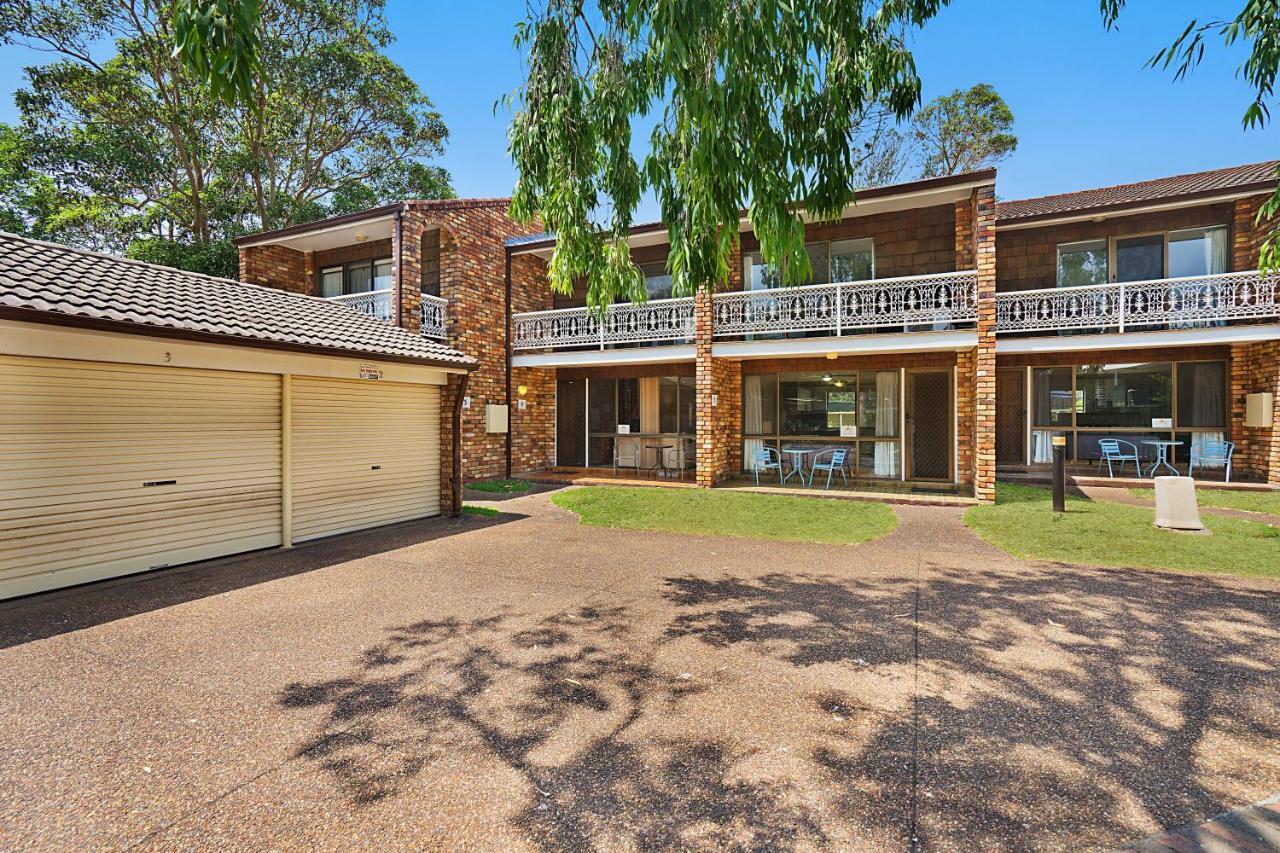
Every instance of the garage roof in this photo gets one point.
(46, 282)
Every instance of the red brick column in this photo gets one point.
(406, 252)
(1246, 236)
(719, 384)
(966, 440)
(448, 398)
(984, 479)
(964, 234)
(1255, 368)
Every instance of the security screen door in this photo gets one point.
(928, 415)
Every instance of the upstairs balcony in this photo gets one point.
(625, 324)
(1133, 306)
(380, 305)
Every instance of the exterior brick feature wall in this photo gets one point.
(1255, 368)
(719, 405)
(1248, 235)
(984, 360)
(473, 280)
(275, 266)
(533, 431)
(966, 415)
(964, 234)
(448, 396)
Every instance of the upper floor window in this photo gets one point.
(356, 277)
(1142, 257)
(431, 262)
(657, 281)
(834, 261)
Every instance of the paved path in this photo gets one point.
(528, 683)
(1248, 829)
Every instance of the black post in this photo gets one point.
(1059, 473)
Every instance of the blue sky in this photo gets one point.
(1087, 112)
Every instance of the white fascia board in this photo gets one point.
(1128, 340)
(608, 357)
(904, 342)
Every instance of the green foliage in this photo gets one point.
(1023, 524)
(214, 257)
(1258, 24)
(965, 130)
(119, 150)
(714, 512)
(503, 487)
(1250, 501)
(219, 43)
(481, 511)
(752, 104)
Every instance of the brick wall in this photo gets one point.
(533, 430)
(1029, 256)
(719, 405)
(368, 251)
(473, 280)
(984, 359)
(1255, 368)
(966, 415)
(1247, 235)
(275, 266)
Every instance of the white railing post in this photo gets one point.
(839, 309)
(604, 321)
(1121, 307)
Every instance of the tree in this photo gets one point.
(1258, 24)
(139, 153)
(963, 131)
(756, 106)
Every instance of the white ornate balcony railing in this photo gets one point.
(379, 305)
(375, 303)
(627, 323)
(922, 300)
(432, 316)
(1174, 303)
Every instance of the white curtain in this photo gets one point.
(1041, 445)
(886, 463)
(752, 418)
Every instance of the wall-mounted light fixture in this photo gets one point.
(832, 356)
(361, 236)
(522, 390)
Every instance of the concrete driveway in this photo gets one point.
(530, 683)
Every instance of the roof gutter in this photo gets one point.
(1085, 214)
(48, 318)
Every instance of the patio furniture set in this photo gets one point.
(1117, 451)
(828, 459)
(672, 456)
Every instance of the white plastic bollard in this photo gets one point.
(1176, 507)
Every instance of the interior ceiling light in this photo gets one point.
(832, 356)
(826, 377)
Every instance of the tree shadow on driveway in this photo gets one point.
(1057, 707)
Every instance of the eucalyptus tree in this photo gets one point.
(749, 104)
(965, 130)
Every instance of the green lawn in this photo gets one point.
(1106, 534)
(1268, 502)
(484, 511)
(502, 487)
(719, 513)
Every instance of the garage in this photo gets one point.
(151, 418)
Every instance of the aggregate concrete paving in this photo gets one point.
(529, 683)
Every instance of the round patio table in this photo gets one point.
(660, 467)
(797, 461)
(1162, 456)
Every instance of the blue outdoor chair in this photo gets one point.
(768, 459)
(1113, 452)
(1212, 453)
(835, 462)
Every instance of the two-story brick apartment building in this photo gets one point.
(943, 334)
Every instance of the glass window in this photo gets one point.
(601, 418)
(817, 403)
(431, 262)
(1140, 258)
(657, 282)
(1051, 390)
(1198, 251)
(820, 262)
(1202, 394)
(688, 405)
(878, 403)
(668, 404)
(1082, 263)
(360, 277)
(629, 403)
(878, 459)
(760, 404)
(758, 275)
(331, 282)
(382, 274)
(1123, 395)
(853, 260)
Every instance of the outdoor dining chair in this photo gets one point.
(768, 459)
(624, 458)
(835, 462)
(1212, 453)
(1113, 452)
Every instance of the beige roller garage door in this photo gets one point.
(364, 453)
(107, 469)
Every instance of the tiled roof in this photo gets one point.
(1252, 176)
(45, 278)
